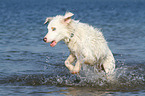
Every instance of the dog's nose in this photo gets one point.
(44, 39)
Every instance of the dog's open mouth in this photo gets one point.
(53, 43)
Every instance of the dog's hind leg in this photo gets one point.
(69, 61)
(109, 64)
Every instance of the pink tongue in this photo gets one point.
(53, 43)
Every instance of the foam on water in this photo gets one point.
(127, 78)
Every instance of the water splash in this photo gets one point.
(125, 79)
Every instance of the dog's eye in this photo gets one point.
(53, 28)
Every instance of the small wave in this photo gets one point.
(126, 78)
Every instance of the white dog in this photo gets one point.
(86, 44)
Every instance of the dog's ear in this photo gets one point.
(48, 19)
(67, 17)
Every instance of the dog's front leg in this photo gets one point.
(69, 61)
(76, 68)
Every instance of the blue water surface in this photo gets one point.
(30, 67)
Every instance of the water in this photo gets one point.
(30, 67)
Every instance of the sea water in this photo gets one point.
(30, 67)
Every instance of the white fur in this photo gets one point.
(86, 43)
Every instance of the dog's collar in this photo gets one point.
(72, 35)
(69, 39)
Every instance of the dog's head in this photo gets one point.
(57, 28)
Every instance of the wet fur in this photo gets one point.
(86, 44)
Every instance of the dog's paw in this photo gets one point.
(74, 72)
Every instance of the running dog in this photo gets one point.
(86, 43)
